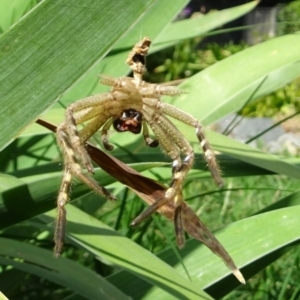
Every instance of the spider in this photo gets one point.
(131, 105)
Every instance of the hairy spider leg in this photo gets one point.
(188, 119)
(148, 140)
(72, 141)
(104, 135)
(99, 103)
(62, 199)
(71, 168)
(75, 168)
(173, 143)
(97, 110)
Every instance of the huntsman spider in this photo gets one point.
(131, 105)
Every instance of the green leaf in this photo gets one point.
(3, 297)
(109, 245)
(291, 200)
(247, 75)
(48, 50)
(277, 230)
(252, 155)
(64, 272)
(200, 25)
(11, 11)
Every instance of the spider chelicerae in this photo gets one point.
(131, 105)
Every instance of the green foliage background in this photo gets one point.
(50, 58)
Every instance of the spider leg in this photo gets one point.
(172, 151)
(75, 168)
(180, 170)
(71, 162)
(173, 142)
(162, 128)
(150, 142)
(188, 119)
(93, 106)
(104, 137)
(72, 168)
(178, 224)
(61, 211)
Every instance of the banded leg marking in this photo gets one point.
(173, 112)
(209, 157)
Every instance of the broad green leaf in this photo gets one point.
(291, 200)
(3, 297)
(253, 156)
(230, 166)
(49, 49)
(127, 146)
(247, 75)
(8, 182)
(40, 189)
(109, 245)
(201, 25)
(55, 115)
(227, 146)
(40, 262)
(277, 230)
(275, 70)
(11, 11)
(29, 151)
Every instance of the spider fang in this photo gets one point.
(130, 120)
(131, 105)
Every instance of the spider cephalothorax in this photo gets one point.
(131, 105)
